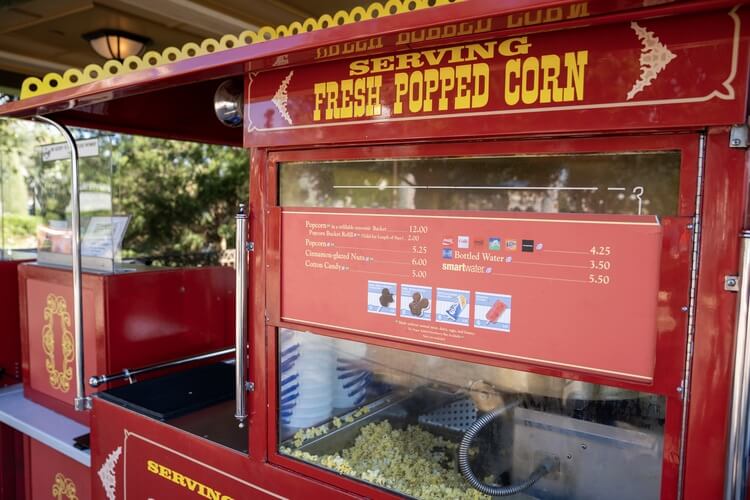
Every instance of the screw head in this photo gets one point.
(684, 308)
(736, 142)
(731, 282)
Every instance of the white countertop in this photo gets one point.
(42, 424)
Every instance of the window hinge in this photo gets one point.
(738, 136)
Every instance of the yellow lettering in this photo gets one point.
(512, 90)
(415, 97)
(447, 83)
(515, 20)
(332, 91)
(578, 10)
(401, 83)
(192, 484)
(431, 80)
(553, 14)
(165, 472)
(186, 482)
(409, 60)
(465, 29)
(320, 90)
(550, 74)
(575, 64)
(357, 68)
(483, 25)
(530, 75)
(479, 98)
(346, 93)
(178, 478)
(456, 54)
(530, 21)
(359, 98)
(463, 96)
(381, 64)
(434, 57)
(485, 50)
(373, 95)
(514, 46)
(434, 33)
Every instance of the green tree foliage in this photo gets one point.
(181, 195)
(18, 160)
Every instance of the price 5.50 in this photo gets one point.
(599, 279)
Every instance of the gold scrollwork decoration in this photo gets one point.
(51, 82)
(64, 488)
(57, 307)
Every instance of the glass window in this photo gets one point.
(624, 183)
(410, 423)
(165, 203)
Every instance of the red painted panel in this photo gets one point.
(671, 319)
(10, 328)
(11, 463)
(122, 437)
(593, 79)
(49, 356)
(723, 218)
(130, 320)
(50, 474)
(161, 315)
(477, 282)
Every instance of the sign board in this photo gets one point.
(103, 236)
(569, 291)
(673, 71)
(60, 151)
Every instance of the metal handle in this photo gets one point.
(735, 479)
(97, 380)
(81, 402)
(240, 314)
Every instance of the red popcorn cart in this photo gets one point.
(489, 250)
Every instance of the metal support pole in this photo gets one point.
(738, 448)
(81, 402)
(240, 313)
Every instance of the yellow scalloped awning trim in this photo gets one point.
(52, 82)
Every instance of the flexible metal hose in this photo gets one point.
(546, 466)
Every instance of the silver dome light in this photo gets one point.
(228, 103)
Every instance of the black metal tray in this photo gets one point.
(176, 394)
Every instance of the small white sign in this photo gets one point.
(103, 237)
(60, 151)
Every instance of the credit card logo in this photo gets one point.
(463, 242)
(511, 245)
(447, 253)
(493, 243)
(527, 245)
(447, 242)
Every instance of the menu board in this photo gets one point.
(564, 290)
